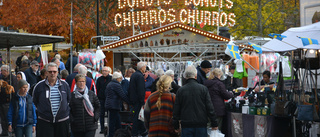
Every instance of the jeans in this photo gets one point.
(23, 131)
(102, 114)
(3, 115)
(47, 129)
(90, 133)
(194, 132)
(113, 122)
(138, 126)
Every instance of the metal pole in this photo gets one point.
(71, 40)
(98, 39)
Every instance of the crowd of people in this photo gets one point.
(50, 100)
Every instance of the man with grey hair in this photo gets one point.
(193, 107)
(5, 97)
(5, 76)
(89, 81)
(174, 85)
(61, 66)
(159, 73)
(70, 78)
(102, 83)
(136, 96)
(51, 96)
(32, 73)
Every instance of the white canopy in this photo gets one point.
(292, 42)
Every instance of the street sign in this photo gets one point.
(110, 38)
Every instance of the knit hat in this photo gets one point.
(21, 83)
(205, 64)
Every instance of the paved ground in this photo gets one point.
(97, 131)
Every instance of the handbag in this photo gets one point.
(141, 114)
(280, 109)
(305, 112)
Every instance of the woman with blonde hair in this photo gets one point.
(158, 109)
(218, 94)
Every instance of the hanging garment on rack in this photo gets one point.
(254, 62)
(246, 58)
(241, 74)
(239, 67)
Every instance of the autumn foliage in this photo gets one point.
(53, 17)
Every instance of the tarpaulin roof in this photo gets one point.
(9, 39)
(292, 42)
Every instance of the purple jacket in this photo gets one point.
(218, 93)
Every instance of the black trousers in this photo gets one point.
(47, 129)
(138, 127)
(90, 133)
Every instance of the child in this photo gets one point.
(22, 112)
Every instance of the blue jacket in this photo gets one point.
(114, 95)
(148, 83)
(70, 78)
(137, 88)
(125, 85)
(22, 111)
(201, 75)
(41, 99)
(62, 66)
(32, 78)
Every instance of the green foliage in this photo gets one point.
(259, 17)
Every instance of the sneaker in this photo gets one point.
(101, 132)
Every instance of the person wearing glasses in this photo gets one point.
(102, 83)
(51, 96)
(32, 73)
(84, 109)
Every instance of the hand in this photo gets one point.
(10, 128)
(33, 129)
(177, 130)
(214, 128)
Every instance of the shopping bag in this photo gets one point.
(305, 112)
(141, 114)
(215, 133)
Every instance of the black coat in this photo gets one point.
(235, 83)
(114, 95)
(193, 106)
(32, 78)
(81, 121)
(102, 83)
(218, 94)
(137, 88)
(201, 75)
(74, 63)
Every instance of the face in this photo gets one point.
(143, 69)
(19, 77)
(35, 67)
(119, 79)
(4, 72)
(81, 83)
(27, 54)
(37, 54)
(266, 78)
(146, 74)
(206, 70)
(52, 73)
(232, 71)
(23, 90)
(57, 62)
(105, 72)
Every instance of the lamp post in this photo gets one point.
(71, 41)
(98, 38)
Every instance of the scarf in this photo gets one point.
(86, 102)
